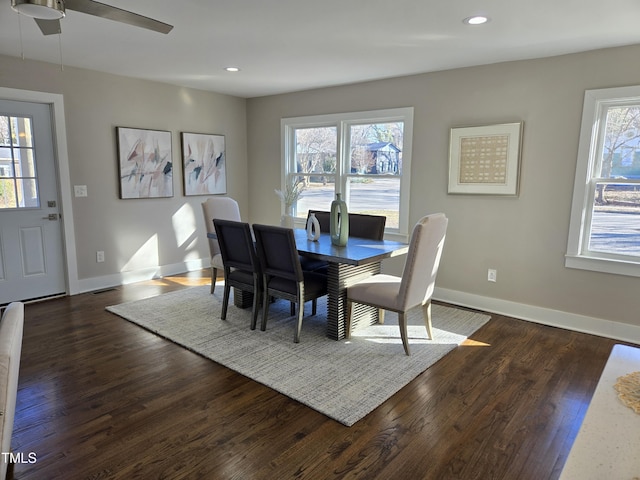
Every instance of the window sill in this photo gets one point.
(604, 265)
(396, 237)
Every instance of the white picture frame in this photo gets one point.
(485, 160)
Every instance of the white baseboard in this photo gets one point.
(546, 316)
(124, 278)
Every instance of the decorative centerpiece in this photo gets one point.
(313, 228)
(339, 220)
(289, 197)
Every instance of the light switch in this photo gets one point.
(80, 190)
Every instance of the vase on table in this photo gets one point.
(287, 219)
(313, 228)
(339, 222)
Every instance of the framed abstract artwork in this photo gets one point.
(485, 160)
(204, 164)
(145, 163)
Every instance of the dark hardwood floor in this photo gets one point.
(100, 397)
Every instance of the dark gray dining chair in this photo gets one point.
(241, 266)
(283, 276)
(367, 226)
(360, 225)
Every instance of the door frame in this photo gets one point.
(61, 157)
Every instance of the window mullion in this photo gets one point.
(588, 216)
(343, 158)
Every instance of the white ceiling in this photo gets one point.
(291, 45)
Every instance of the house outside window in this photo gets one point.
(604, 232)
(365, 156)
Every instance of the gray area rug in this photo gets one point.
(344, 380)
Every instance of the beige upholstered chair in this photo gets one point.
(11, 330)
(224, 208)
(415, 287)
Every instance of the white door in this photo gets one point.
(31, 251)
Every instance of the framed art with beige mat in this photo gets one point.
(485, 160)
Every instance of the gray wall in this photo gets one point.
(144, 234)
(524, 238)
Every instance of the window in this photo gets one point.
(18, 182)
(604, 234)
(365, 156)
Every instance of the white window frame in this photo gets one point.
(342, 122)
(590, 147)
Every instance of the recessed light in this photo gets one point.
(232, 69)
(476, 20)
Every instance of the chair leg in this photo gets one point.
(402, 322)
(426, 313)
(225, 300)
(265, 314)
(257, 300)
(214, 275)
(296, 337)
(381, 315)
(347, 320)
(314, 306)
(293, 309)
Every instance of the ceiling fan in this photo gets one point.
(47, 14)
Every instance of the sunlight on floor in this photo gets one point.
(389, 333)
(189, 279)
(473, 343)
(420, 340)
(185, 281)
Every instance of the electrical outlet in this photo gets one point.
(99, 256)
(80, 190)
(492, 275)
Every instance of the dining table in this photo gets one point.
(358, 259)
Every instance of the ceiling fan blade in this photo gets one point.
(117, 14)
(49, 27)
